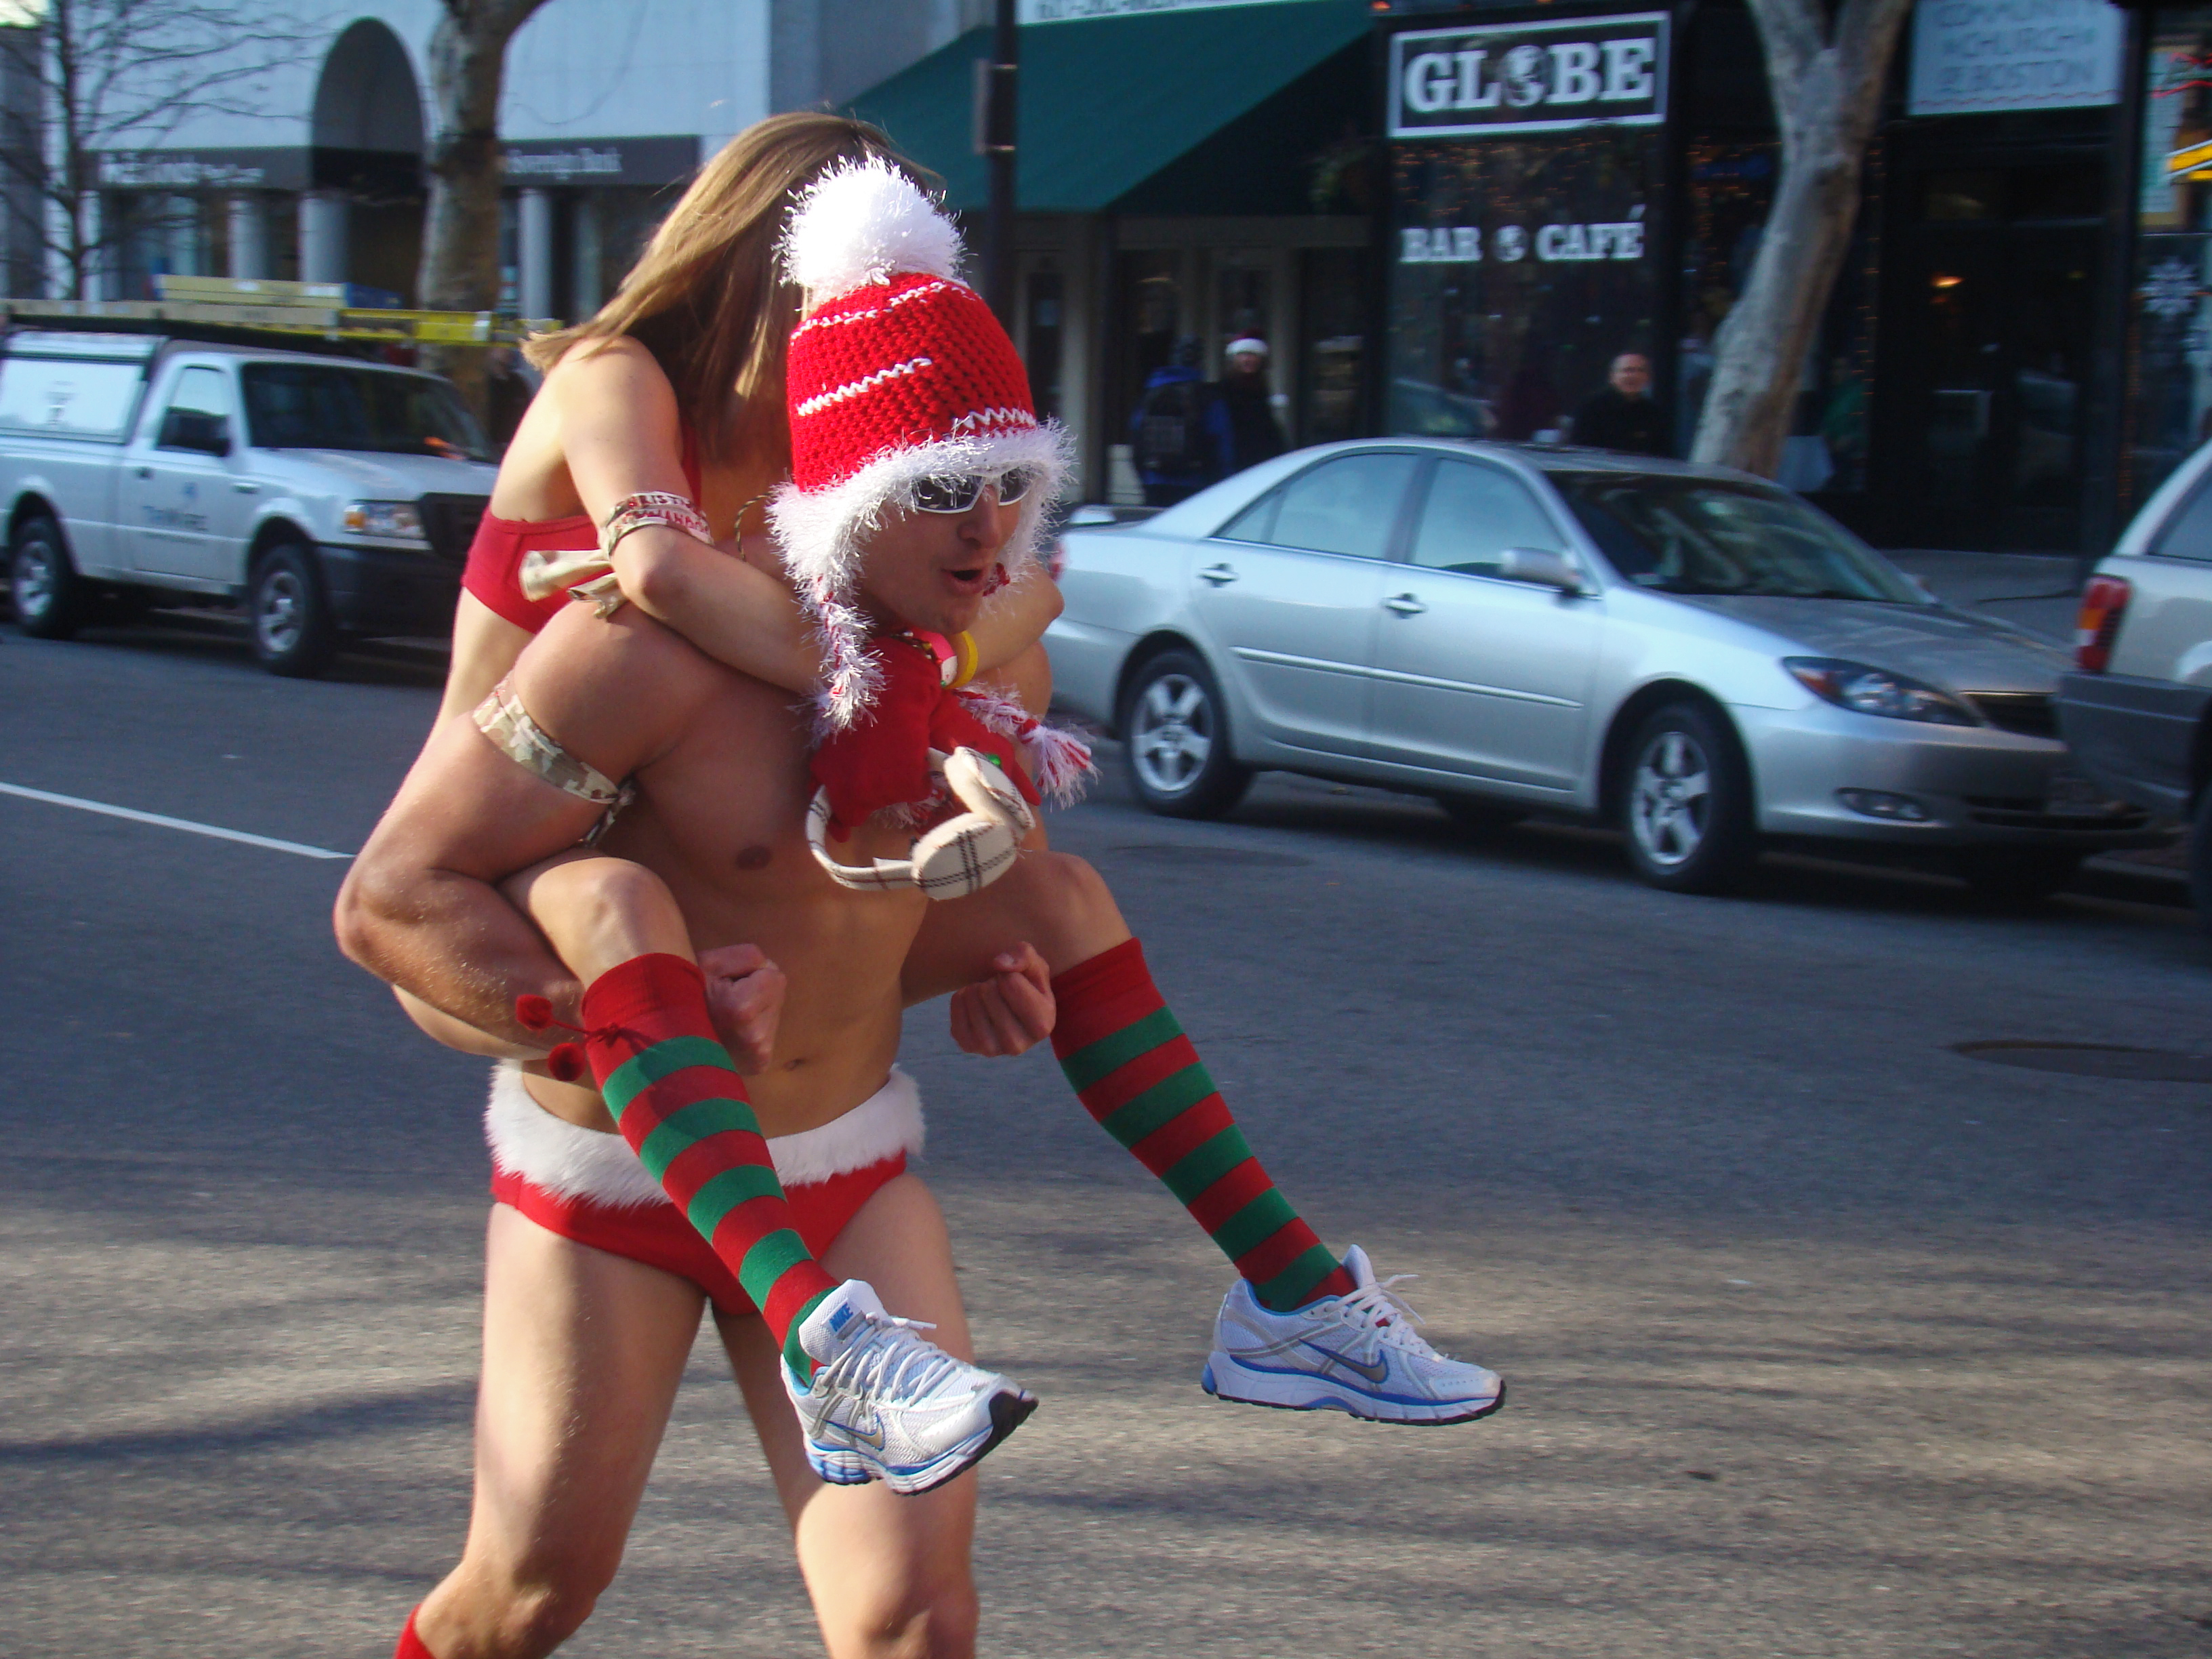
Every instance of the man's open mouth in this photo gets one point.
(967, 580)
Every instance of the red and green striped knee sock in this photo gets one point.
(1139, 1077)
(683, 1108)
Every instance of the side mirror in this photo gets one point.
(1542, 567)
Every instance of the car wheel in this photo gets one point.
(1474, 816)
(1685, 794)
(1178, 736)
(293, 634)
(2016, 875)
(51, 600)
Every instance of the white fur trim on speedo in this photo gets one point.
(559, 1157)
(862, 224)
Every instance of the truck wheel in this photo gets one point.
(1177, 731)
(293, 634)
(51, 599)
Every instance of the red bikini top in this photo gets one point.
(494, 567)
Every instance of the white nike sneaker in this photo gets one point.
(1354, 1353)
(887, 1406)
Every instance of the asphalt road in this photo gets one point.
(1823, 1339)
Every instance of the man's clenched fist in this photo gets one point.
(744, 994)
(1009, 1013)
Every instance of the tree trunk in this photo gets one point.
(1827, 95)
(460, 232)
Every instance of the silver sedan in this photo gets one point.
(1688, 651)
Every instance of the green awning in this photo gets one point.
(1108, 103)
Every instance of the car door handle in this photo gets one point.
(247, 488)
(1405, 604)
(1219, 574)
(145, 472)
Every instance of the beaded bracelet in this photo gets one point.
(589, 576)
(652, 507)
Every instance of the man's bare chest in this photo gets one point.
(721, 817)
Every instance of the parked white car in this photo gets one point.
(1691, 652)
(2137, 709)
(326, 496)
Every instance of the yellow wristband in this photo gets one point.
(964, 644)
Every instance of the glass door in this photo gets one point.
(1997, 332)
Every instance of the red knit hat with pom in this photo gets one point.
(897, 374)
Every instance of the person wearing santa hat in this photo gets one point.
(928, 419)
(905, 396)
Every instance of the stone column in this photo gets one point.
(533, 254)
(248, 226)
(180, 229)
(322, 237)
(586, 294)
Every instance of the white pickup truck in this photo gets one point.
(324, 496)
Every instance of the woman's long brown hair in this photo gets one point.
(706, 298)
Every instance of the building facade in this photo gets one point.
(1443, 218)
(1601, 179)
(1188, 174)
(609, 106)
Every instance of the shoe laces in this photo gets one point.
(889, 1361)
(1377, 1308)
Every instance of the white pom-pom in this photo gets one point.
(865, 223)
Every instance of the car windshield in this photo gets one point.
(333, 406)
(1679, 535)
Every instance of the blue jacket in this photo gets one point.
(1213, 421)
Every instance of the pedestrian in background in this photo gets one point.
(1177, 446)
(1624, 415)
(1243, 412)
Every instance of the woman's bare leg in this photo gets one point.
(597, 912)
(890, 1576)
(582, 1354)
(1053, 901)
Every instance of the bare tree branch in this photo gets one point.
(117, 75)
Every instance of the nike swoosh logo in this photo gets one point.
(874, 1440)
(1377, 1371)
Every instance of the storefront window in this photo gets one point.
(2170, 364)
(1523, 267)
(1333, 377)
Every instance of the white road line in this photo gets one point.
(184, 824)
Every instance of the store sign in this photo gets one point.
(257, 168)
(1971, 56)
(601, 161)
(1529, 77)
(1078, 11)
(1463, 245)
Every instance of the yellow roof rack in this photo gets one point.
(330, 311)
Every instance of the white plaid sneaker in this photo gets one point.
(885, 1405)
(1354, 1353)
